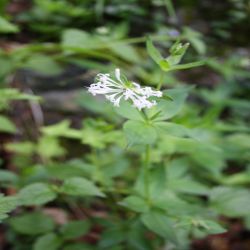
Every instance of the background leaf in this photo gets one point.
(48, 241)
(160, 224)
(138, 132)
(75, 229)
(7, 27)
(81, 187)
(7, 204)
(154, 52)
(135, 203)
(34, 223)
(231, 202)
(36, 194)
(43, 64)
(6, 125)
(127, 111)
(169, 108)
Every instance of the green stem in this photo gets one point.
(160, 81)
(170, 9)
(146, 172)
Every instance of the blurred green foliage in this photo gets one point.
(82, 186)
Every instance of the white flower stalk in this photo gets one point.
(117, 87)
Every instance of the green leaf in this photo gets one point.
(75, 229)
(138, 132)
(78, 39)
(80, 187)
(7, 204)
(49, 147)
(160, 224)
(99, 138)
(188, 65)
(237, 179)
(188, 186)
(154, 52)
(135, 203)
(7, 27)
(166, 109)
(165, 66)
(36, 194)
(232, 202)
(26, 148)
(78, 246)
(157, 184)
(32, 223)
(8, 176)
(177, 51)
(195, 38)
(177, 168)
(9, 94)
(175, 206)
(127, 111)
(126, 52)
(6, 66)
(175, 48)
(199, 227)
(204, 154)
(61, 129)
(211, 227)
(6, 125)
(96, 105)
(43, 64)
(173, 129)
(48, 241)
(111, 237)
(63, 171)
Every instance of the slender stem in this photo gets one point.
(160, 81)
(146, 172)
(170, 9)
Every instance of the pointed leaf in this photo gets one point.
(138, 132)
(48, 241)
(127, 111)
(33, 223)
(75, 229)
(7, 27)
(160, 224)
(154, 52)
(80, 187)
(135, 203)
(188, 65)
(169, 108)
(7, 204)
(6, 125)
(36, 194)
(171, 128)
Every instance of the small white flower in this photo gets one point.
(116, 87)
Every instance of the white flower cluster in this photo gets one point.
(115, 88)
